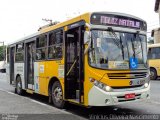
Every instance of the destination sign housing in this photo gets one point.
(117, 20)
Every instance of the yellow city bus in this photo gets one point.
(95, 59)
(153, 60)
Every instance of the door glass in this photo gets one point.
(30, 63)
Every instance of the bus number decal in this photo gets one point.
(136, 82)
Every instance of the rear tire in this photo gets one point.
(153, 74)
(57, 95)
(19, 89)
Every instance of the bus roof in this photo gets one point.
(59, 25)
(85, 17)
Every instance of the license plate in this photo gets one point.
(130, 96)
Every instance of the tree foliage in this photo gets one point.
(2, 53)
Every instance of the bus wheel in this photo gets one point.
(57, 95)
(19, 90)
(153, 74)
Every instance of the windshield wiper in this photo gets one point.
(116, 41)
(115, 36)
(133, 48)
(122, 47)
(140, 40)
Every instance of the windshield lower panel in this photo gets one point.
(116, 50)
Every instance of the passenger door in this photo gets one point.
(74, 70)
(12, 61)
(30, 58)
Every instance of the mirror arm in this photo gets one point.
(89, 37)
(89, 45)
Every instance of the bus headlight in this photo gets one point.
(100, 85)
(108, 88)
(146, 85)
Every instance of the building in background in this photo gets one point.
(156, 32)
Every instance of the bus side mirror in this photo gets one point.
(87, 37)
(87, 40)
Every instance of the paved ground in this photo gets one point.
(24, 106)
(28, 107)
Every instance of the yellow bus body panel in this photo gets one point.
(155, 63)
(51, 69)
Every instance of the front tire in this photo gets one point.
(57, 95)
(153, 74)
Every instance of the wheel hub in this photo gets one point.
(57, 93)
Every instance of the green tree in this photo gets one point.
(2, 53)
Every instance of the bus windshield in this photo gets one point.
(113, 50)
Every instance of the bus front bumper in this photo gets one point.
(98, 97)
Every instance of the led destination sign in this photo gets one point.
(117, 20)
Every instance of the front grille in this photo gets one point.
(134, 75)
(125, 87)
(122, 98)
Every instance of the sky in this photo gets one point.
(19, 18)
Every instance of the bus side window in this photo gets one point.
(41, 43)
(59, 40)
(154, 53)
(150, 53)
(59, 37)
(158, 53)
(19, 57)
(59, 51)
(153, 56)
(55, 45)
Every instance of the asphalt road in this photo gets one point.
(37, 107)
